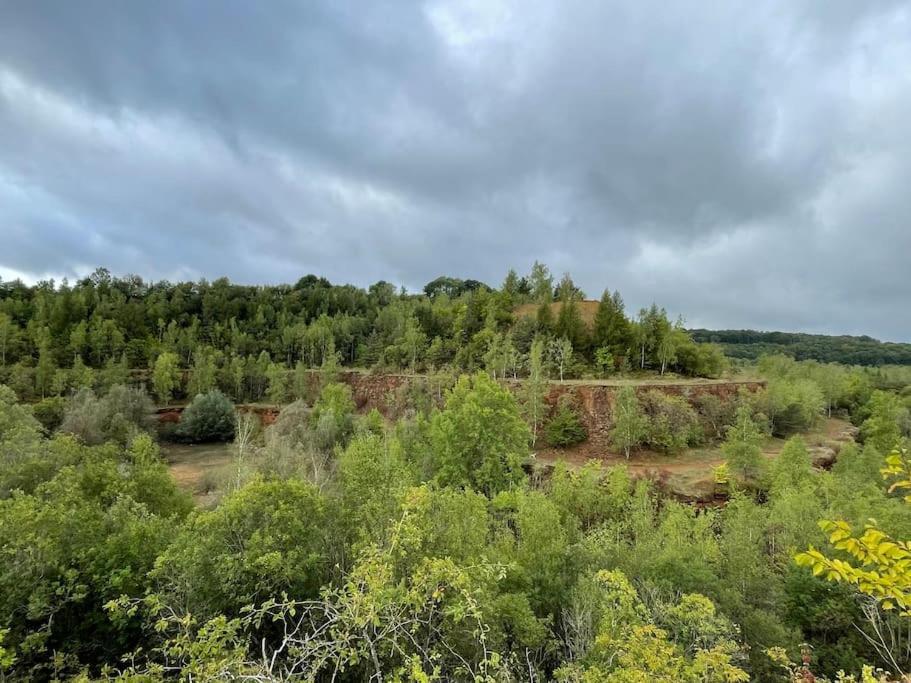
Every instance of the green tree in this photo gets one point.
(479, 439)
(202, 375)
(333, 415)
(534, 389)
(542, 284)
(630, 424)
(266, 538)
(209, 417)
(611, 329)
(604, 361)
(881, 565)
(881, 429)
(166, 376)
(8, 334)
(44, 371)
(277, 377)
(565, 428)
(560, 352)
(743, 447)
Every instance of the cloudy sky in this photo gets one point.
(745, 164)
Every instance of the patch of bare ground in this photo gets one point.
(195, 466)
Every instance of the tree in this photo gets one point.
(672, 423)
(202, 376)
(542, 284)
(611, 329)
(210, 417)
(560, 352)
(883, 569)
(8, 330)
(792, 469)
(44, 371)
(565, 428)
(534, 389)
(277, 377)
(743, 447)
(604, 361)
(333, 415)
(479, 439)
(881, 428)
(629, 644)
(264, 539)
(630, 423)
(166, 376)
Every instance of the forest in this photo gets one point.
(425, 538)
(824, 348)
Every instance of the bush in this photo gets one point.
(332, 417)
(49, 412)
(672, 423)
(118, 416)
(565, 429)
(210, 417)
(792, 405)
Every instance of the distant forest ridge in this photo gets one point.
(850, 350)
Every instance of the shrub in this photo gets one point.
(793, 405)
(672, 423)
(292, 424)
(118, 416)
(210, 417)
(49, 412)
(565, 429)
(333, 416)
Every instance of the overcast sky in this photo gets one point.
(746, 164)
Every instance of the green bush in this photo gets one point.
(672, 423)
(210, 417)
(49, 412)
(565, 429)
(118, 416)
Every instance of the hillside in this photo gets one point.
(587, 310)
(864, 350)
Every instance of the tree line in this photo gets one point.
(848, 350)
(55, 339)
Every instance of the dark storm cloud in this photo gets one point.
(742, 164)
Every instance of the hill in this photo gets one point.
(587, 310)
(864, 350)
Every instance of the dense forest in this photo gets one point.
(845, 349)
(427, 543)
(53, 337)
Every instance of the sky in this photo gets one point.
(744, 164)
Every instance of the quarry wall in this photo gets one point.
(389, 393)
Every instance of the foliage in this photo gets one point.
(479, 439)
(267, 538)
(534, 390)
(630, 424)
(119, 415)
(210, 417)
(743, 447)
(843, 349)
(695, 644)
(884, 564)
(166, 376)
(672, 423)
(332, 417)
(565, 428)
